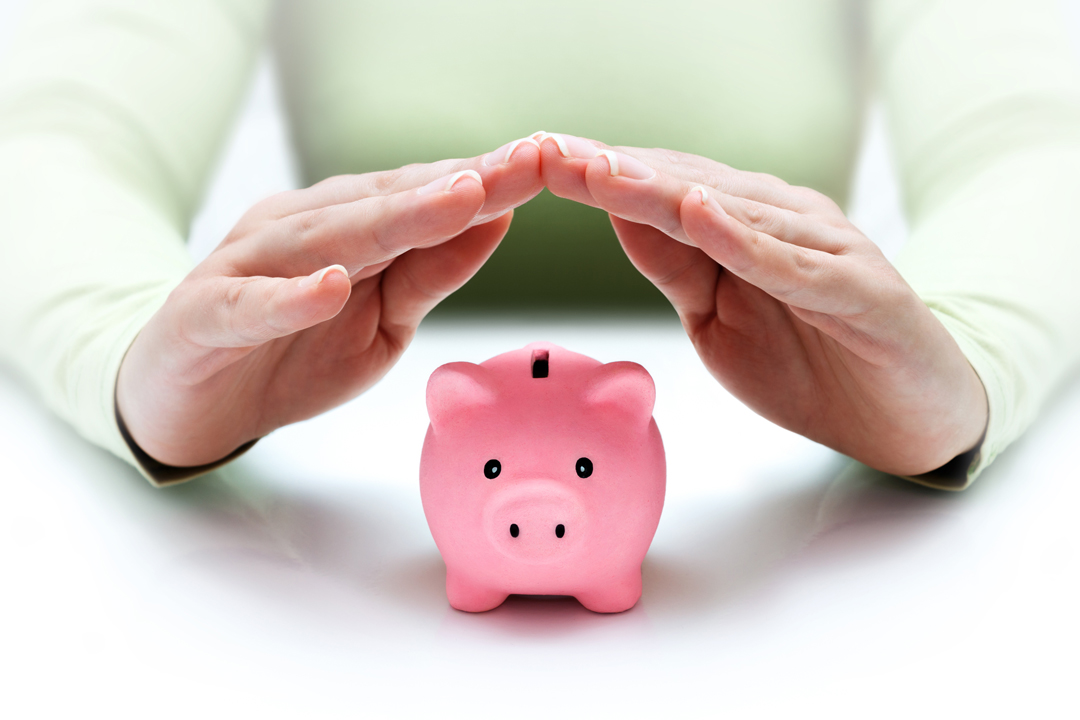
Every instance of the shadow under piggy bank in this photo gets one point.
(538, 617)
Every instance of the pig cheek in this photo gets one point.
(626, 490)
(453, 491)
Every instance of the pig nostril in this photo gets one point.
(514, 530)
(559, 531)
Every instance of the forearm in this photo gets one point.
(998, 267)
(983, 103)
(84, 269)
(111, 112)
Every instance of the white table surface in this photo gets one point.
(303, 580)
(784, 580)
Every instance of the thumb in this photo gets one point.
(234, 312)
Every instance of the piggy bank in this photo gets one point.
(542, 473)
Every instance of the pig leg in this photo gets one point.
(618, 595)
(465, 595)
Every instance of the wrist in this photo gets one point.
(161, 474)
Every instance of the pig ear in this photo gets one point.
(624, 386)
(456, 387)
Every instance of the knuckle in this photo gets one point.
(803, 269)
(806, 262)
(714, 179)
(674, 156)
(384, 182)
(232, 316)
(344, 188)
(312, 239)
(244, 315)
(308, 223)
(233, 297)
(756, 214)
(378, 239)
(747, 252)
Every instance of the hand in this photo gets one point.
(790, 307)
(310, 299)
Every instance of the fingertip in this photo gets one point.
(318, 277)
(711, 229)
(450, 202)
(612, 160)
(699, 204)
(324, 293)
(464, 176)
(512, 173)
(519, 152)
(564, 162)
(468, 186)
(623, 166)
(337, 279)
(458, 181)
(319, 297)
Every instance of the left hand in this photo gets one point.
(310, 299)
(788, 304)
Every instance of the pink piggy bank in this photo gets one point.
(542, 474)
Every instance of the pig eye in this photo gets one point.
(584, 467)
(493, 468)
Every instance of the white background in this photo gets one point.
(783, 580)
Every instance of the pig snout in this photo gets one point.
(539, 521)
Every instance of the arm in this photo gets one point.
(789, 306)
(309, 300)
(984, 111)
(929, 374)
(111, 114)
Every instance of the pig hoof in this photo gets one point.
(606, 603)
(470, 598)
(619, 597)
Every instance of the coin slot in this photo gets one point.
(540, 363)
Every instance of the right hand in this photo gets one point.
(311, 299)
(789, 305)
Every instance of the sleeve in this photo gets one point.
(111, 115)
(982, 103)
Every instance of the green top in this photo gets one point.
(113, 111)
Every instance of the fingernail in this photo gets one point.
(445, 184)
(571, 146)
(503, 154)
(316, 277)
(622, 165)
(715, 206)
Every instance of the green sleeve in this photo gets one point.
(111, 114)
(983, 107)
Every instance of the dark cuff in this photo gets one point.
(955, 474)
(160, 474)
